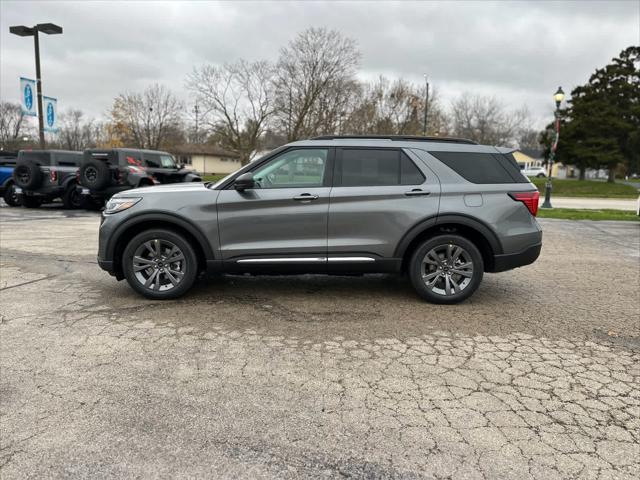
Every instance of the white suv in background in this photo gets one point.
(533, 171)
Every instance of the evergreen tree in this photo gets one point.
(601, 127)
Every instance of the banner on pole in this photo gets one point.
(50, 107)
(28, 96)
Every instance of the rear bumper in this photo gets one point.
(509, 261)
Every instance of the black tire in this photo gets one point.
(91, 203)
(541, 175)
(72, 198)
(10, 196)
(443, 272)
(95, 175)
(27, 175)
(30, 202)
(143, 246)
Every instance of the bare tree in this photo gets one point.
(529, 138)
(78, 133)
(394, 108)
(148, 119)
(236, 101)
(314, 81)
(486, 121)
(12, 126)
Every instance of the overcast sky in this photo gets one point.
(517, 51)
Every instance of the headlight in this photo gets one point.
(116, 205)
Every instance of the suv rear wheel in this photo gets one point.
(160, 264)
(10, 196)
(446, 269)
(72, 197)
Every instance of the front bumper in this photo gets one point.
(510, 261)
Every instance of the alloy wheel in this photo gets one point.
(159, 265)
(447, 269)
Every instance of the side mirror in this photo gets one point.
(244, 182)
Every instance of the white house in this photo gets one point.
(207, 159)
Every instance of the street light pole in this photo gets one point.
(426, 105)
(558, 97)
(23, 31)
(36, 43)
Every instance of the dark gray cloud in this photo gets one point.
(518, 51)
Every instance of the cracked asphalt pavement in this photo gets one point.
(536, 376)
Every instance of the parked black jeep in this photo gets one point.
(106, 172)
(42, 176)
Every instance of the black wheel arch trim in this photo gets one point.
(446, 218)
(163, 217)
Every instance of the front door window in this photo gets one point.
(294, 169)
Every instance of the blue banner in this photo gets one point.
(50, 107)
(28, 97)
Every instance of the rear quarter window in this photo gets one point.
(482, 168)
(41, 158)
(68, 159)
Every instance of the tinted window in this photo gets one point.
(409, 173)
(131, 158)
(377, 167)
(42, 158)
(512, 166)
(153, 160)
(68, 159)
(292, 169)
(477, 167)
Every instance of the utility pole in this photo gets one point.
(196, 110)
(426, 105)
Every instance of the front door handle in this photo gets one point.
(305, 197)
(416, 192)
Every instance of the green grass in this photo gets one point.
(587, 188)
(583, 214)
(212, 178)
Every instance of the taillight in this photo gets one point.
(530, 200)
(53, 175)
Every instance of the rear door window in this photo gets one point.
(482, 168)
(360, 167)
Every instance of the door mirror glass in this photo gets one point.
(244, 182)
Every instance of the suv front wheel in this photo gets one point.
(160, 264)
(446, 269)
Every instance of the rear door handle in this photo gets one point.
(416, 192)
(305, 197)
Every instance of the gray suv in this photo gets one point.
(441, 210)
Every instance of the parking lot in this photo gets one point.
(537, 375)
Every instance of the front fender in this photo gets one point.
(160, 219)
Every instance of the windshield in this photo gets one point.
(167, 161)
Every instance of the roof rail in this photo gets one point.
(397, 138)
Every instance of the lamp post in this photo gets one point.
(558, 97)
(23, 31)
(426, 105)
